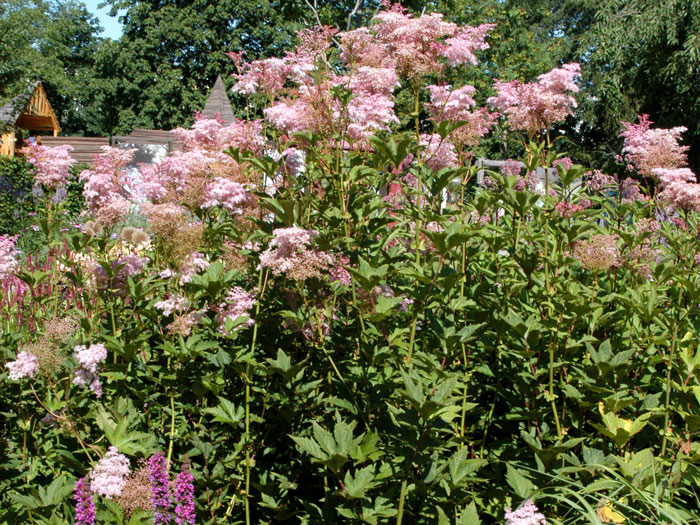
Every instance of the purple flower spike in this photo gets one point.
(184, 497)
(84, 506)
(160, 487)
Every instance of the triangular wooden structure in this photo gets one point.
(218, 103)
(29, 111)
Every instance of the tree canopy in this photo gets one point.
(637, 56)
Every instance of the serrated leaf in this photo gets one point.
(522, 486)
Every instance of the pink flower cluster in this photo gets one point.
(168, 176)
(238, 303)
(110, 474)
(290, 254)
(269, 75)
(454, 105)
(397, 44)
(8, 255)
(226, 193)
(657, 153)
(565, 162)
(316, 109)
(450, 104)
(682, 195)
(105, 185)
(26, 365)
(645, 149)
(213, 135)
(418, 45)
(597, 181)
(630, 191)
(438, 152)
(175, 303)
(52, 165)
(160, 489)
(461, 47)
(526, 514)
(339, 273)
(90, 359)
(569, 209)
(184, 498)
(511, 167)
(533, 107)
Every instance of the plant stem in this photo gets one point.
(172, 428)
(667, 404)
(551, 377)
(247, 402)
(402, 499)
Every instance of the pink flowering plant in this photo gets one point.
(329, 312)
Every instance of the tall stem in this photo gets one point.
(552, 397)
(172, 428)
(247, 402)
(667, 404)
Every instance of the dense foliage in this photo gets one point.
(312, 317)
(54, 42)
(637, 56)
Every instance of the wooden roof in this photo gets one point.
(150, 136)
(218, 103)
(30, 110)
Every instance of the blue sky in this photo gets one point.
(112, 27)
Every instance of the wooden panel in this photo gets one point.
(33, 123)
(8, 144)
(39, 108)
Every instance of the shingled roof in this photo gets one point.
(218, 103)
(10, 111)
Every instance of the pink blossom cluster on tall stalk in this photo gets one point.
(455, 106)
(301, 86)
(105, 185)
(657, 153)
(8, 255)
(533, 107)
(52, 164)
(646, 149)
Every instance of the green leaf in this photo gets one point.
(469, 516)
(522, 486)
(226, 412)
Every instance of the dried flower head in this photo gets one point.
(136, 494)
(50, 356)
(174, 230)
(60, 329)
(599, 253)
